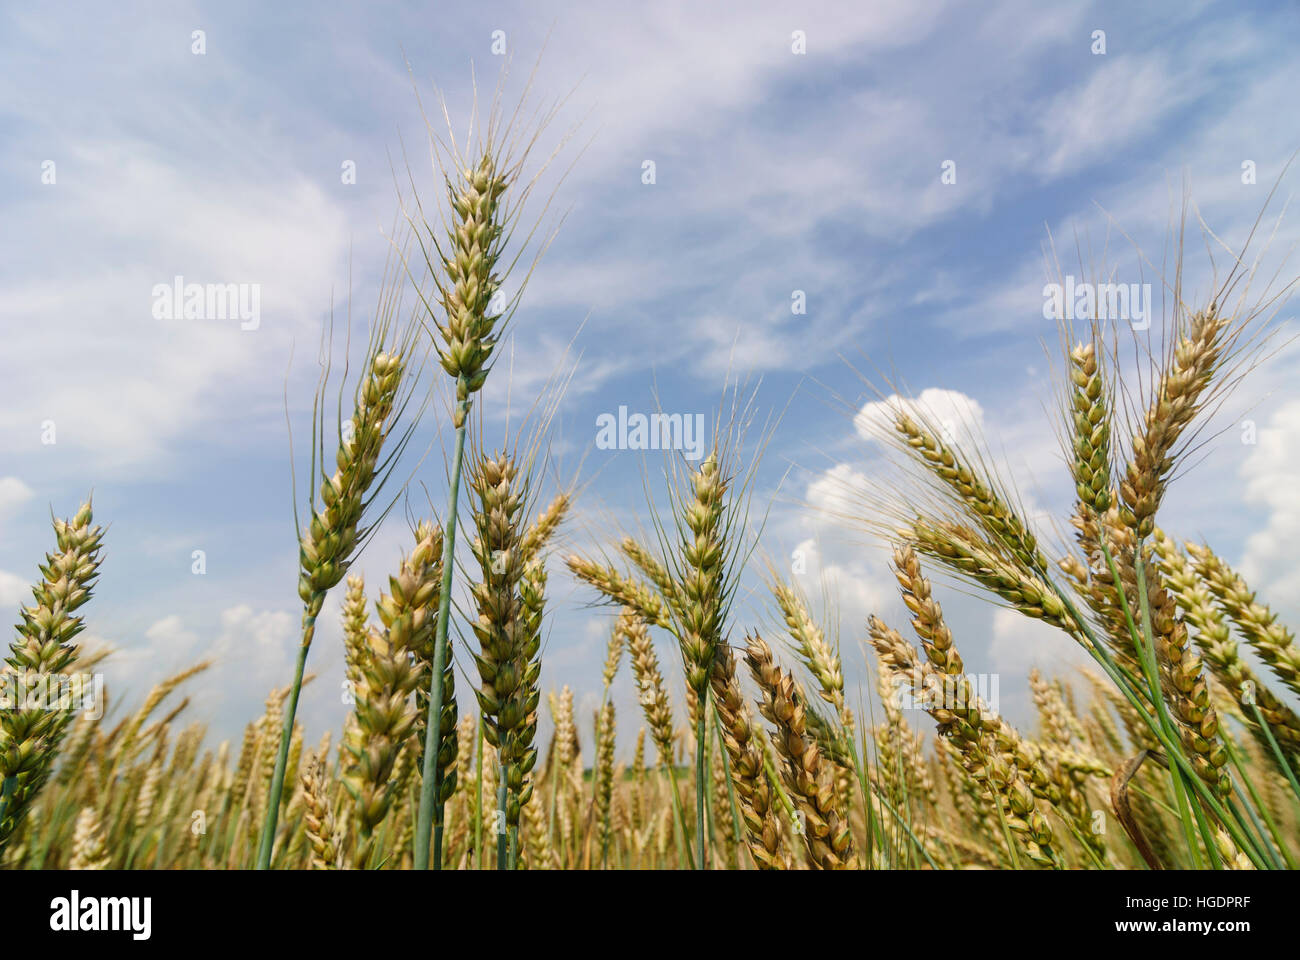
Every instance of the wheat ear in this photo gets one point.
(747, 771)
(89, 847)
(318, 817)
(507, 695)
(826, 835)
(621, 590)
(43, 650)
(1260, 626)
(1220, 649)
(976, 492)
(1178, 399)
(335, 530)
(384, 711)
(467, 279)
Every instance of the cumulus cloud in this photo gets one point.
(958, 417)
(251, 652)
(170, 633)
(254, 636)
(841, 566)
(859, 586)
(1272, 474)
(837, 491)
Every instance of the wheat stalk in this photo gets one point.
(467, 268)
(336, 529)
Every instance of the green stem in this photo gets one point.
(1083, 842)
(1258, 827)
(433, 728)
(738, 825)
(1211, 847)
(875, 829)
(1006, 831)
(478, 798)
(1145, 642)
(865, 783)
(499, 819)
(889, 808)
(1127, 687)
(1258, 803)
(1146, 661)
(267, 840)
(679, 820)
(6, 794)
(1277, 751)
(700, 827)
(710, 814)
(781, 795)
(1152, 799)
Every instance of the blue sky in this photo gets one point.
(775, 172)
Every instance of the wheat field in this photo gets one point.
(1169, 751)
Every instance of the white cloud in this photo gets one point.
(13, 589)
(13, 492)
(1272, 473)
(1019, 643)
(171, 633)
(251, 653)
(1123, 100)
(168, 647)
(838, 491)
(259, 644)
(960, 416)
(859, 586)
(285, 237)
